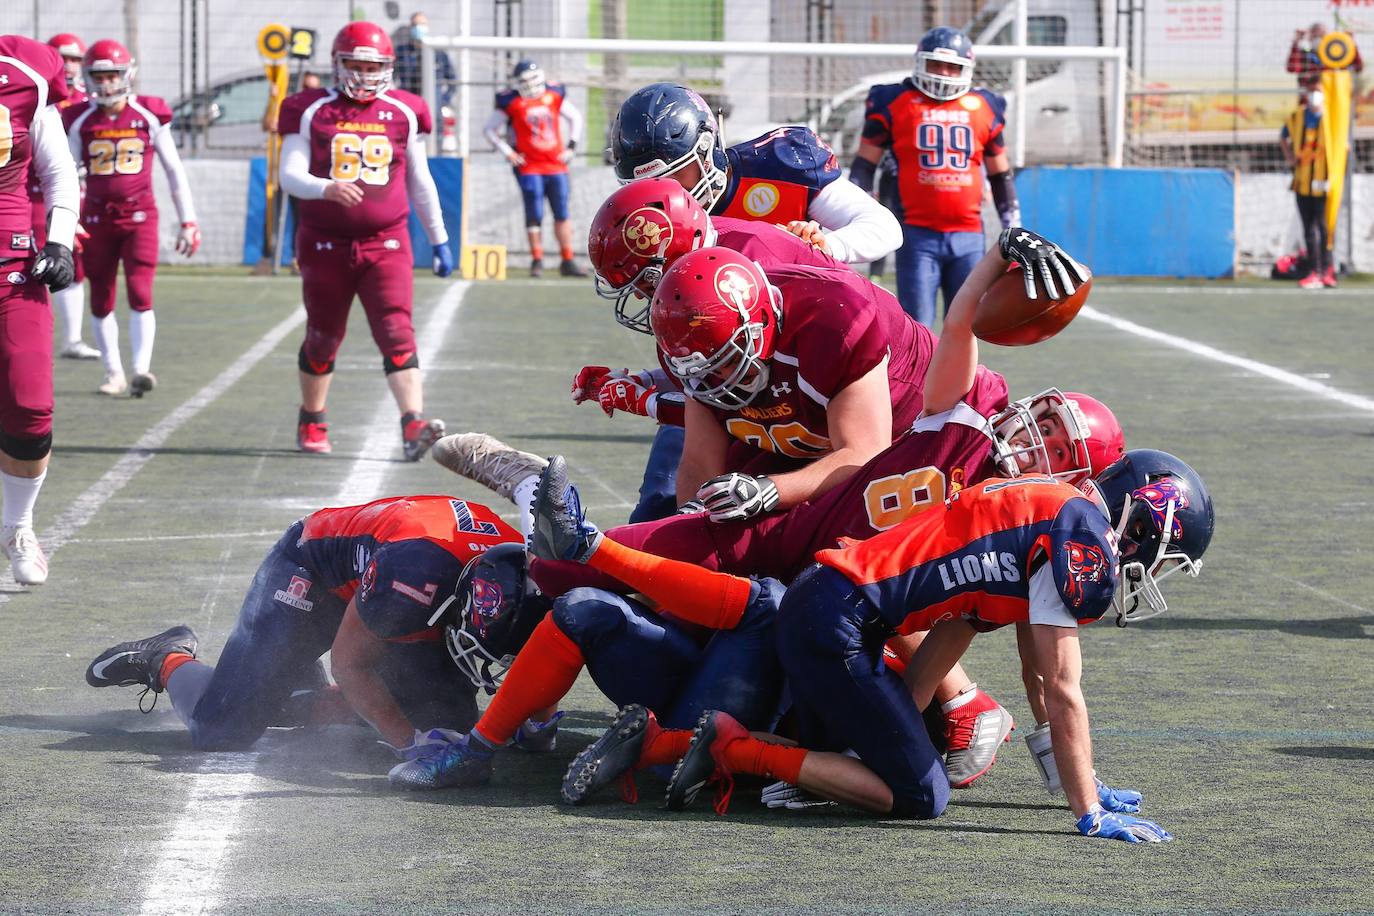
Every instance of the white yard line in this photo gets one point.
(187, 875)
(1282, 376)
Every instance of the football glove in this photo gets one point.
(691, 507)
(629, 396)
(589, 379)
(1111, 826)
(792, 798)
(54, 267)
(1039, 257)
(1117, 801)
(423, 744)
(443, 260)
(188, 239)
(731, 497)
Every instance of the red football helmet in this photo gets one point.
(73, 51)
(109, 56)
(367, 42)
(1068, 435)
(637, 234)
(716, 317)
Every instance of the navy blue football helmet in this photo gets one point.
(491, 614)
(1163, 518)
(527, 78)
(947, 46)
(663, 128)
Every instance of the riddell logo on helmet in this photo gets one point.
(649, 168)
(648, 230)
(735, 287)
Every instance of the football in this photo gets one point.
(1006, 317)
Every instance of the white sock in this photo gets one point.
(523, 495)
(71, 302)
(107, 339)
(142, 330)
(20, 493)
(968, 693)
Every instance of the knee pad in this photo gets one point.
(305, 364)
(585, 615)
(406, 361)
(22, 449)
(924, 806)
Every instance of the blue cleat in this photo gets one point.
(561, 530)
(463, 763)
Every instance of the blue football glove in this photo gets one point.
(1111, 826)
(1118, 801)
(423, 744)
(443, 260)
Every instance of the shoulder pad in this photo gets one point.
(883, 95)
(1084, 559)
(505, 97)
(996, 102)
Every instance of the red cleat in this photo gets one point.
(312, 433)
(974, 732)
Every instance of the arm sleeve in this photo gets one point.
(166, 147)
(573, 115)
(424, 196)
(296, 179)
(494, 130)
(56, 173)
(858, 228)
(1004, 196)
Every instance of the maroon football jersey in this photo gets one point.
(31, 78)
(773, 247)
(360, 142)
(76, 97)
(836, 327)
(117, 149)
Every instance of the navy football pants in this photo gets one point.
(830, 642)
(658, 490)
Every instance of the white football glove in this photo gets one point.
(188, 239)
(732, 497)
(792, 798)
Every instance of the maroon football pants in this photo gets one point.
(120, 234)
(25, 363)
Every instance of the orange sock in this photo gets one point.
(543, 673)
(172, 662)
(712, 599)
(566, 252)
(773, 761)
(667, 745)
(536, 252)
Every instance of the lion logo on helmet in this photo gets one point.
(1158, 495)
(648, 231)
(1084, 563)
(735, 287)
(487, 599)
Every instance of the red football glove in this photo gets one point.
(188, 239)
(628, 395)
(588, 381)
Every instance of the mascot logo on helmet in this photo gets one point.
(486, 603)
(735, 287)
(1085, 563)
(648, 231)
(1158, 496)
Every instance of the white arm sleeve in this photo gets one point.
(166, 146)
(1046, 607)
(573, 115)
(52, 164)
(495, 129)
(296, 179)
(424, 196)
(858, 228)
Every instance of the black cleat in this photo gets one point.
(536, 269)
(140, 661)
(560, 527)
(609, 757)
(571, 268)
(702, 764)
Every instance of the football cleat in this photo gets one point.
(536, 269)
(1311, 281)
(79, 349)
(141, 384)
(140, 661)
(467, 762)
(1329, 277)
(537, 737)
(27, 560)
(488, 461)
(312, 436)
(419, 435)
(570, 268)
(609, 757)
(114, 383)
(974, 733)
(703, 764)
(560, 527)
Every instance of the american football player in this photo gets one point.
(787, 176)
(526, 126)
(1031, 550)
(31, 85)
(354, 156)
(374, 585)
(113, 134)
(70, 302)
(943, 134)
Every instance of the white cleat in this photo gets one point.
(141, 384)
(79, 349)
(488, 461)
(114, 384)
(27, 561)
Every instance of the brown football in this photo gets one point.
(1005, 316)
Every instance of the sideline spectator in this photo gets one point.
(1303, 59)
(408, 62)
(1304, 150)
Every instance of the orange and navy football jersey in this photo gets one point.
(775, 177)
(939, 149)
(399, 557)
(536, 129)
(974, 557)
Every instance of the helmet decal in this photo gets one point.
(735, 287)
(648, 231)
(1158, 495)
(1084, 563)
(487, 599)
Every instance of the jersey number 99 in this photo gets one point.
(944, 146)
